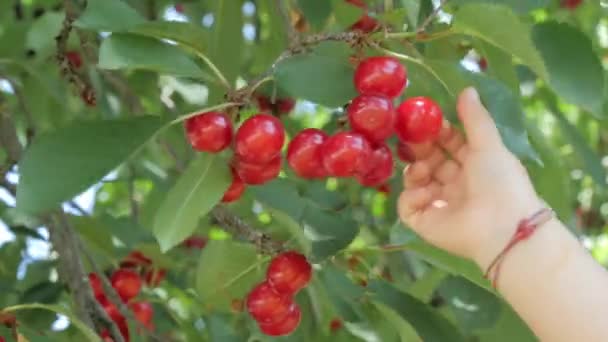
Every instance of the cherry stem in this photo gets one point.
(214, 68)
(204, 110)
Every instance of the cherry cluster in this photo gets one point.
(271, 303)
(136, 270)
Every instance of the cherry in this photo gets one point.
(483, 64)
(96, 285)
(74, 58)
(209, 132)
(285, 105)
(419, 119)
(179, 8)
(384, 188)
(236, 189)
(126, 282)
(405, 153)
(285, 326)
(135, 259)
(366, 23)
(345, 154)
(372, 116)
(380, 75)
(266, 305)
(259, 139)
(570, 4)
(304, 153)
(195, 242)
(380, 167)
(154, 277)
(143, 312)
(264, 103)
(335, 324)
(288, 273)
(256, 174)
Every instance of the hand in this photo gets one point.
(467, 197)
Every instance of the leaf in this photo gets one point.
(519, 6)
(346, 13)
(226, 48)
(489, 22)
(551, 179)
(109, 15)
(405, 330)
(281, 194)
(227, 270)
(324, 76)
(86, 331)
(562, 45)
(316, 11)
(590, 161)
(500, 65)
(187, 34)
(65, 162)
(509, 328)
(473, 307)
(125, 51)
(40, 37)
(198, 189)
(329, 232)
(429, 325)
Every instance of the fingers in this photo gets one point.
(417, 199)
(417, 175)
(452, 141)
(447, 172)
(479, 125)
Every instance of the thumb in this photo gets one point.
(478, 124)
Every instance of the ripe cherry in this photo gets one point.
(135, 259)
(366, 23)
(143, 312)
(419, 119)
(195, 242)
(285, 326)
(256, 174)
(380, 75)
(483, 64)
(304, 153)
(335, 324)
(96, 285)
(259, 139)
(380, 167)
(74, 58)
(266, 305)
(236, 189)
(126, 282)
(153, 277)
(345, 154)
(288, 273)
(264, 103)
(405, 153)
(112, 311)
(571, 4)
(209, 132)
(372, 116)
(285, 105)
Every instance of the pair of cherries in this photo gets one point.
(271, 303)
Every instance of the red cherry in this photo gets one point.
(285, 105)
(195, 242)
(384, 188)
(380, 76)
(285, 326)
(304, 153)
(259, 139)
(483, 64)
(405, 153)
(126, 282)
(209, 132)
(96, 285)
(365, 24)
(112, 311)
(345, 154)
(154, 277)
(266, 305)
(179, 8)
(264, 103)
(74, 58)
(335, 324)
(288, 273)
(571, 4)
(419, 119)
(135, 259)
(372, 116)
(143, 312)
(256, 174)
(236, 189)
(380, 167)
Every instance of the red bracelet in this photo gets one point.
(525, 229)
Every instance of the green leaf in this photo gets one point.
(429, 325)
(227, 270)
(551, 179)
(124, 51)
(316, 11)
(500, 65)
(88, 333)
(197, 190)
(65, 162)
(40, 37)
(473, 307)
(109, 15)
(324, 76)
(226, 49)
(346, 13)
(575, 70)
(519, 6)
(187, 34)
(329, 232)
(489, 22)
(508, 329)
(281, 194)
(405, 330)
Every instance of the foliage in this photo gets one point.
(92, 98)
